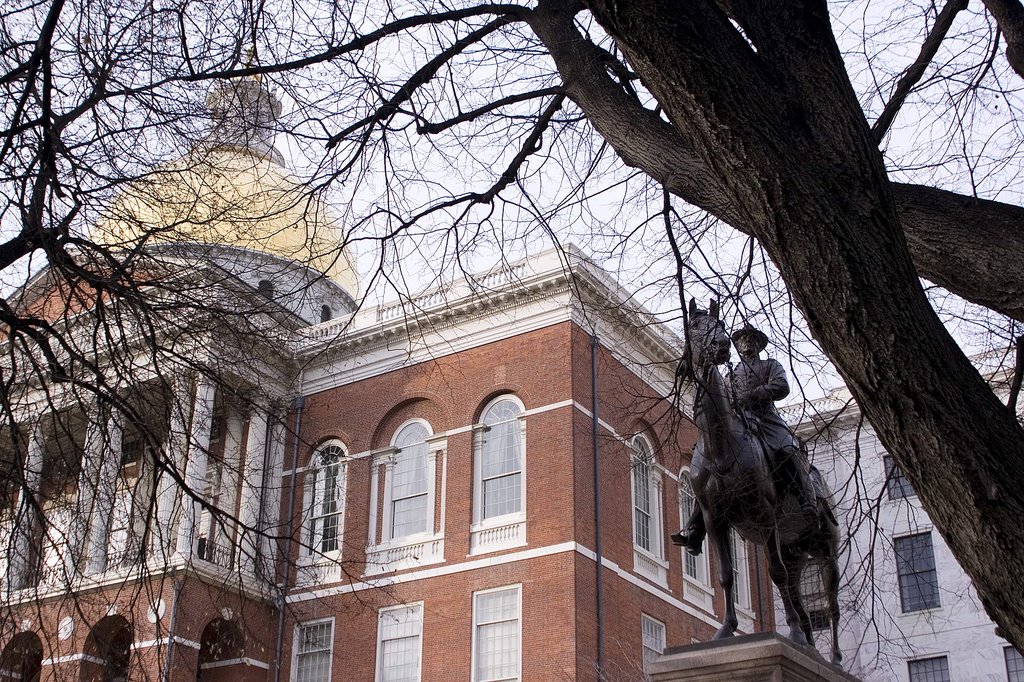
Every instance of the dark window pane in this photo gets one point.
(1014, 665)
(915, 566)
(929, 670)
(896, 483)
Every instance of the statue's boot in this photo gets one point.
(691, 537)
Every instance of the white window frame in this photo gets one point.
(416, 549)
(697, 587)
(474, 649)
(382, 615)
(296, 638)
(503, 531)
(314, 496)
(648, 561)
(649, 623)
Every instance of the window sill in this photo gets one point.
(318, 569)
(403, 553)
(922, 612)
(498, 533)
(650, 566)
(698, 594)
(746, 619)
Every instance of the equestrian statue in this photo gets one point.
(750, 474)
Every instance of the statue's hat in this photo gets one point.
(754, 334)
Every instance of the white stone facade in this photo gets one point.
(882, 637)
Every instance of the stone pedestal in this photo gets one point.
(762, 657)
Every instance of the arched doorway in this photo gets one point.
(22, 658)
(108, 651)
(221, 646)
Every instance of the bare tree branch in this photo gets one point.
(913, 73)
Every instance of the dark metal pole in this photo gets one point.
(594, 345)
(288, 541)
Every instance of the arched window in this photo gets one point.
(402, 528)
(501, 460)
(22, 658)
(645, 477)
(222, 643)
(643, 502)
(325, 495)
(108, 651)
(410, 483)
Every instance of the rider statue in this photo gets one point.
(754, 386)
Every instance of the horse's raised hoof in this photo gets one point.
(837, 659)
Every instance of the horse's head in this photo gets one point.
(709, 342)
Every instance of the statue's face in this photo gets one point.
(745, 346)
(711, 342)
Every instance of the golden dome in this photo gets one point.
(230, 192)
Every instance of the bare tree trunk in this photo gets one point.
(777, 122)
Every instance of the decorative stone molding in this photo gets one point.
(494, 535)
(650, 566)
(386, 558)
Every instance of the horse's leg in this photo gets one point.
(718, 534)
(796, 562)
(786, 589)
(830, 581)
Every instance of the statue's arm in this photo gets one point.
(777, 386)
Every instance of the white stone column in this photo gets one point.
(270, 515)
(432, 453)
(195, 468)
(26, 519)
(657, 513)
(231, 474)
(252, 491)
(103, 464)
(167, 493)
(386, 523)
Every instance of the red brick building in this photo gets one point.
(477, 484)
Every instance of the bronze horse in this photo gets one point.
(735, 487)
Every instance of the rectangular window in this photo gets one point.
(896, 483)
(313, 644)
(695, 567)
(399, 644)
(496, 635)
(409, 497)
(929, 670)
(653, 641)
(915, 566)
(741, 571)
(501, 469)
(812, 591)
(1014, 665)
